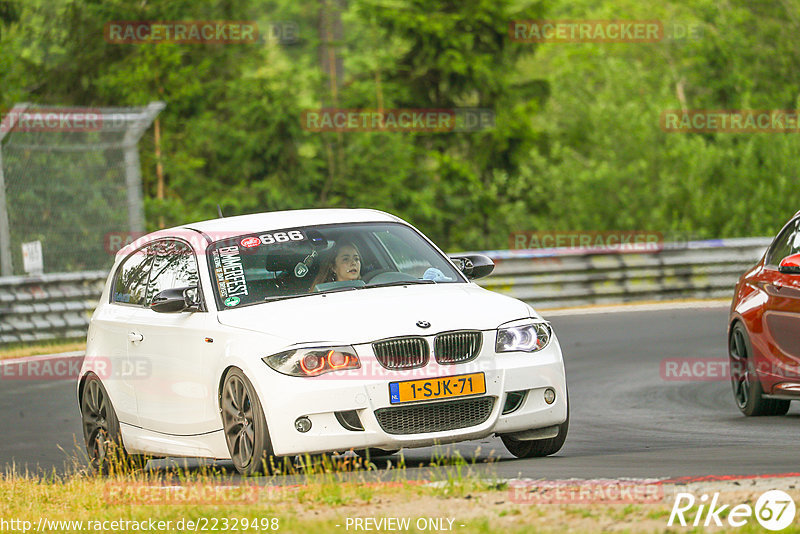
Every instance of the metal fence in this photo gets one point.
(68, 177)
(58, 306)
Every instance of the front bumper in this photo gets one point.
(366, 391)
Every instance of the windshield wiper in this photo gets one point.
(284, 297)
(350, 288)
(401, 283)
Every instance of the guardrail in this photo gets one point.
(557, 278)
(50, 306)
(58, 306)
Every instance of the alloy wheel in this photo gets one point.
(237, 414)
(95, 415)
(740, 368)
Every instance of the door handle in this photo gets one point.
(135, 337)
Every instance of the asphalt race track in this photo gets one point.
(626, 420)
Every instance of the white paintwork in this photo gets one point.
(376, 313)
(174, 411)
(141, 441)
(180, 395)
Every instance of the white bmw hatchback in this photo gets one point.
(278, 334)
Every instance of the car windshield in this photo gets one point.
(294, 262)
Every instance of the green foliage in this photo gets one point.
(577, 143)
(611, 166)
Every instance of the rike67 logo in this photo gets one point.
(774, 510)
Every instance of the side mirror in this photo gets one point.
(176, 300)
(790, 264)
(474, 265)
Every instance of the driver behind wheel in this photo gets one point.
(344, 263)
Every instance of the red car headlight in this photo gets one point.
(314, 361)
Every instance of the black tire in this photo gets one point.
(101, 432)
(245, 426)
(373, 452)
(537, 448)
(747, 390)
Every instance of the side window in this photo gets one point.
(175, 266)
(131, 281)
(788, 243)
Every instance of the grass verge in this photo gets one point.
(22, 350)
(327, 495)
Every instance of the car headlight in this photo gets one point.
(526, 338)
(314, 361)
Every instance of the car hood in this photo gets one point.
(365, 315)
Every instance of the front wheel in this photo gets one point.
(245, 425)
(537, 448)
(747, 389)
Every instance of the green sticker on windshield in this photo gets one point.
(231, 301)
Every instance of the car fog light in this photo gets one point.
(303, 424)
(549, 395)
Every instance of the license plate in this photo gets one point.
(437, 388)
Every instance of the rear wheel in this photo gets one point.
(747, 389)
(101, 431)
(245, 425)
(536, 448)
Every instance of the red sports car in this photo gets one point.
(764, 329)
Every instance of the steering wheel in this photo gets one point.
(367, 278)
(387, 276)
